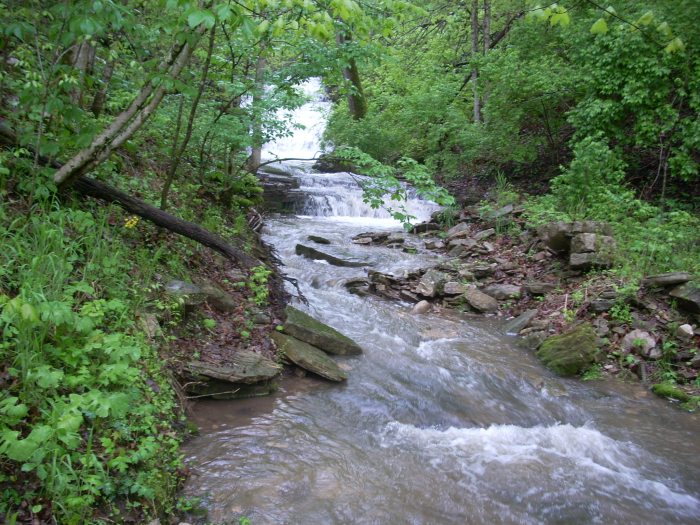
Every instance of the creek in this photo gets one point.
(443, 418)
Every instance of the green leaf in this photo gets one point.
(201, 16)
(645, 19)
(664, 29)
(600, 27)
(675, 45)
(562, 19)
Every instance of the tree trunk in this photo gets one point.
(128, 121)
(357, 103)
(475, 51)
(83, 59)
(98, 103)
(259, 90)
(178, 154)
(487, 42)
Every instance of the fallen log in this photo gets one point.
(100, 190)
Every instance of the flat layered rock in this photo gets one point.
(667, 279)
(688, 296)
(313, 253)
(305, 328)
(308, 357)
(522, 321)
(480, 301)
(245, 367)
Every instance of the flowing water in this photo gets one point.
(442, 420)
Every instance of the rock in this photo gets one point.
(456, 251)
(667, 279)
(466, 243)
(484, 234)
(501, 212)
(421, 308)
(688, 296)
(533, 340)
(328, 163)
(557, 235)
(685, 331)
(539, 287)
(695, 362)
(358, 286)
(425, 227)
(313, 253)
(602, 327)
(583, 243)
(376, 237)
(480, 301)
(478, 270)
(244, 367)
(396, 238)
(305, 328)
(434, 245)
(151, 326)
(362, 240)
(319, 240)
(432, 283)
(458, 228)
(570, 353)
(454, 288)
(642, 343)
(465, 273)
(522, 321)
(308, 357)
(586, 261)
(599, 306)
(207, 292)
(502, 291)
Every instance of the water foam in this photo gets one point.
(578, 455)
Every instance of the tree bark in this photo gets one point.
(357, 103)
(98, 103)
(256, 152)
(487, 42)
(475, 52)
(178, 154)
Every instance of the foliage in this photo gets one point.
(86, 409)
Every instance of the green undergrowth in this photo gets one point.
(88, 415)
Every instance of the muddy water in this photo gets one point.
(442, 420)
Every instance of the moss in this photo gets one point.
(570, 353)
(307, 329)
(670, 391)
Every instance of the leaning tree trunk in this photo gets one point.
(128, 121)
(487, 42)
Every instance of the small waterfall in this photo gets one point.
(325, 194)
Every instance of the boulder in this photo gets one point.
(539, 287)
(570, 353)
(583, 243)
(454, 288)
(425, 227)
(458, 228)
(557, 235)
(642, 343)
(667, 279)
(421, 307)
(500, 212)
(206, 292)
(313, 253)
(329, 163)
(533, 340)
(484, 234)
(308, 357)
(358, 286)
(502, 291)
(244, 367)
(518, 323)
(305, 328)
(480, 301)
(432, 283)
(685, 331)
(435, 244)
(586, 261)
(319, 240)
(688, 296)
